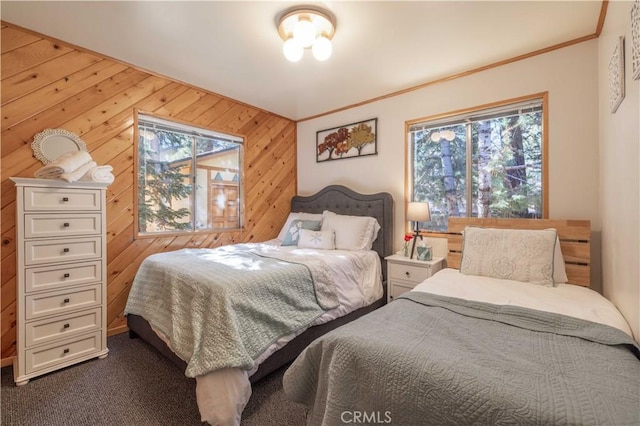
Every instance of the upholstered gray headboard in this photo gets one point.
(342, 200)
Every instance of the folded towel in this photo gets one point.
(78, 173)
(66, 163)
(99, 174)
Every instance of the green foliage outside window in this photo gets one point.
(170, 158)
(160, 183)
(505, 167)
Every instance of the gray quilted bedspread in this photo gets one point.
(432, 360)
(223, 307)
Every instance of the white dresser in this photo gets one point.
(61, 275)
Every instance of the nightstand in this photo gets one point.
(405, 274)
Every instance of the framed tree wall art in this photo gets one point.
(616, 76)
(348, 141)
(635, 39)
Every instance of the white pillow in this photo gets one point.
(514, 254)
(559, 270)
(293, 216)
(352, 232)
(322, 240)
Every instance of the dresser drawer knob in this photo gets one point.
(67, 275)
(66, 250)
(66, 224)
(65, 301)
(407, 273)
(65, 326)
(65, 199)
(66, 351)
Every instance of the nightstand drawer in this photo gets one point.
(60, 353)
(397, 289)
(58, 302)
(43, 331)
(416, 274)
(47, 251)
(56, 276)
(61, 225)
(61, 199)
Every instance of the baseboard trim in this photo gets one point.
(7, 362)
(117, 330)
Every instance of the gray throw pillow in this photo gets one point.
(293, 233)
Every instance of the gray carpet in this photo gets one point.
(134, 385)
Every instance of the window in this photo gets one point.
(189, 179)
(480, 163)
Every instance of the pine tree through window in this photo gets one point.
(480, 163)
(189, 179)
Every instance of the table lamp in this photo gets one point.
(417, 212)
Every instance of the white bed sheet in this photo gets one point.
(566, 299)
(223, 394)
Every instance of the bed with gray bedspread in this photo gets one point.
(433, 360)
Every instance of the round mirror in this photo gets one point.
(52, 143)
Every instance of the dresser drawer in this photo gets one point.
(48, 251)
(61, 352)
(58, 328)
(61, 199)
(51, 277)
(61, 225)
(59, 302)
(415, 274)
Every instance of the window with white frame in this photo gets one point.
(189, 178)
(485, 162)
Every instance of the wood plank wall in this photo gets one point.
(49, 84)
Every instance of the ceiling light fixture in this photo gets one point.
(306, 27)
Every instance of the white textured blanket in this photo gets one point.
(78, 173)
(66, 163)
(99, 174)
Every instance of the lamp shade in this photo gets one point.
(321, 48)
(292, 50)
(418, 212)
(304, 32)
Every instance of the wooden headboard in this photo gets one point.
(575, 241)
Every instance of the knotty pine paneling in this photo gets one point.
(49, 84)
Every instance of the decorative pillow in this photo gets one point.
(513, 254)
(352, 232)
(291, 239)
(559, 270)
(299, 216)
(322, 240)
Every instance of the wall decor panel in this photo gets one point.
(47, 83)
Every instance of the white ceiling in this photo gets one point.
(380, 47)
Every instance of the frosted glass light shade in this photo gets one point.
(322, 48)
(307, 27)
(292, 50)
(304, 32)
